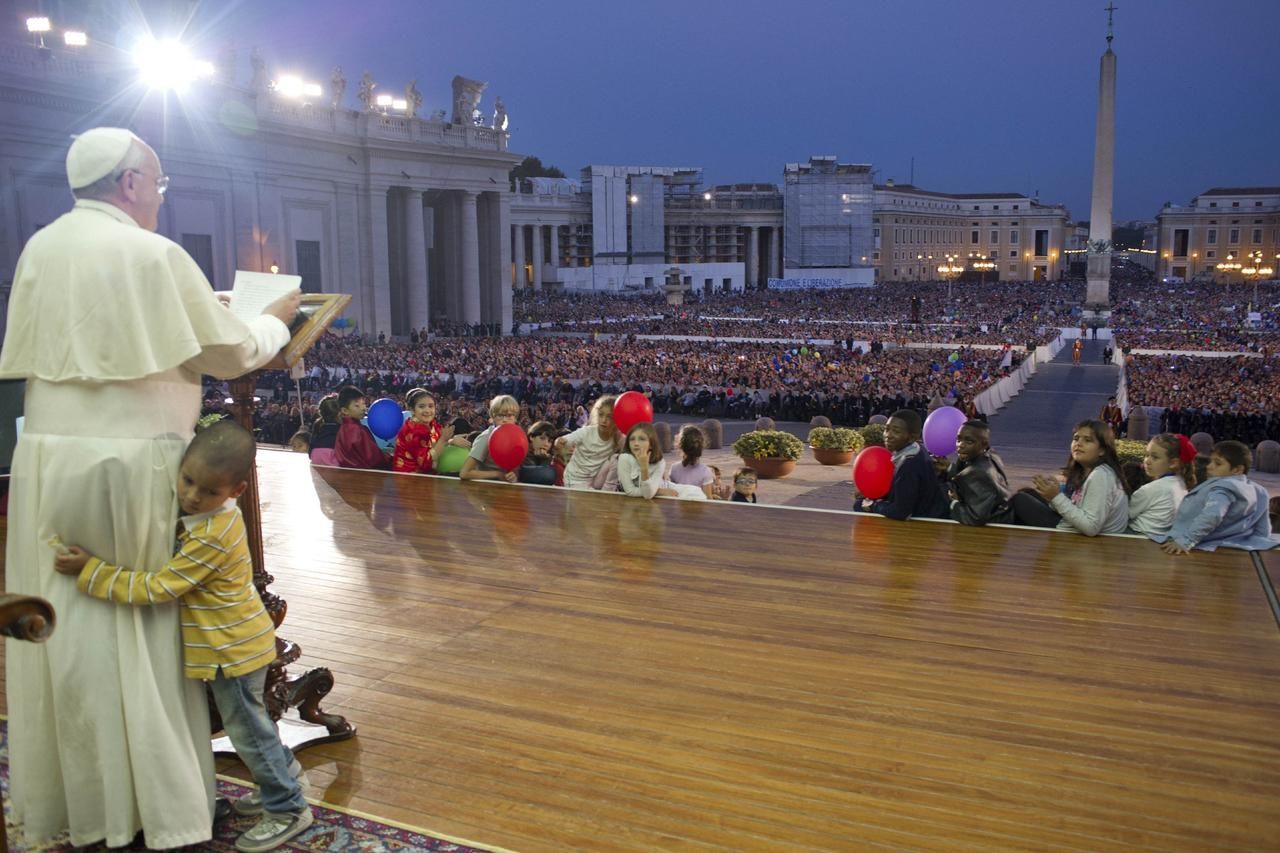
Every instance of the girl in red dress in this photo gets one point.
(422, 439)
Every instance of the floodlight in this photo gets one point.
(635, 199)
(383, 100)
(706, 196)
(289, 85)
(168, 64)
(399, 104)
(75, 38)
(38, 25)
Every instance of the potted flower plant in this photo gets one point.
(872, 435)
(835, 445)
(771, 453)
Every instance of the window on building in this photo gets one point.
(1212, 253)
(995, 237)
(1235, 204)
(1013, 236)
(1181, 239)
(875, 232)
(1213, 204)
(1015, 207)
(973, 237)
(1257, 236)
(1013, 253)
(1042, 242)
(1257, 204)
(200, 248)
(995, 207)
(1233, 236)
(975, 207)
(1211, 236)
(309, 265)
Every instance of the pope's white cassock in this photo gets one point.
(112, 326)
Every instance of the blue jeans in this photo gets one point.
(257, 742)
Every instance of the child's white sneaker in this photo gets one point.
(251, 803)
(273, 830)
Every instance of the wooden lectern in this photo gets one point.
(317, 312)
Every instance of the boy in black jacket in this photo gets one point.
(915, 491)
(979, 487)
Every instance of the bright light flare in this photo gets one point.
(38, 25)
(293, 86)
(399, 104)
(168, 65)
(383, 100)
(75, 38)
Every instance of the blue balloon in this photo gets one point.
(385, 419)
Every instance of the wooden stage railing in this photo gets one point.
(546, 670)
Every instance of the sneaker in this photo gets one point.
(273, 830)
(251, 803)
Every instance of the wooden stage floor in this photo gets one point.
(540, 669)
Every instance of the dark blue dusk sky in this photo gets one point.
(987, 95)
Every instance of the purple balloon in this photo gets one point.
(940, 430)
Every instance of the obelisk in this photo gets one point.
(1104, 167)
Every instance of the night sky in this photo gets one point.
(987, 95)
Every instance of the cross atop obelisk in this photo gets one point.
(1104, 162)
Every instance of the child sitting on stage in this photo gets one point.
(690, 471)
(1226, 510)
(421, 439)
(227, 635)
(744, 486)
(538, 468)
(593, 446)
(324, 431)
(1168, 464)
(355, 447)
(503, 409)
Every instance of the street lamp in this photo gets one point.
(1253, 269)
(1229, 265)
(949, 271)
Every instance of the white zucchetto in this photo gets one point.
(96, 153)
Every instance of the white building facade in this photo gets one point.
(408, 215)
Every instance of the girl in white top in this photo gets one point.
(640, 468)
(690, 471)
(1094, 499)
(1167, 463)
(593, 445)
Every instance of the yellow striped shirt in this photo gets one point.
(223, 621)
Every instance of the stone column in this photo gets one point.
(537, 258)
(502, 212)
(470, 259)
(517, 249)
(712, 257)
(775, 251)
(553, 246)
(753, 257)
(378, 311)
(415, 266)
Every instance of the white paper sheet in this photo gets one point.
(253, 291)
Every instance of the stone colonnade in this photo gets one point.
(530, 267)
(438, 255)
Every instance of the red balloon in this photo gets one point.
(873, 472)
(508, 445)
(632, 408)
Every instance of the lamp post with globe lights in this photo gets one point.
(1255, 270)
(950, 271)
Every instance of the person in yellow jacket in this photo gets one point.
(228, 638)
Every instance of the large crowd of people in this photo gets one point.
(1018, 312)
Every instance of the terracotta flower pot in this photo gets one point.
(769, 467)
(829, 456)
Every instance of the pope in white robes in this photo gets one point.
(111, 326)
